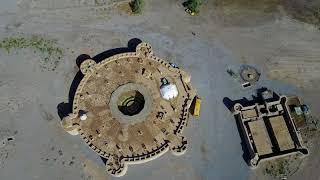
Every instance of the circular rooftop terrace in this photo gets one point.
(124, 117)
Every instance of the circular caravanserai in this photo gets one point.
(131, 108)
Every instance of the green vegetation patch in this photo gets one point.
(137, 6)
(193, 5)
(47, 48)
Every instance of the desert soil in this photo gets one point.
(281, 42)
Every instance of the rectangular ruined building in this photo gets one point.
(268, 128)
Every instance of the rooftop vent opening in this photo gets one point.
(131, 103)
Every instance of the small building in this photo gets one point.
(267, 128)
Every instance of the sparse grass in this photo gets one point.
(247, 12)
(283, 167)
(125, 8)
(308, 12)
(265, 6)
(48, 49)
(137, 6)
(313, 122)
(277, 170)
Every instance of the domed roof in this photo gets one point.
(169, 91)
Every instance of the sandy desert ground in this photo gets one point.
(226, 34)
